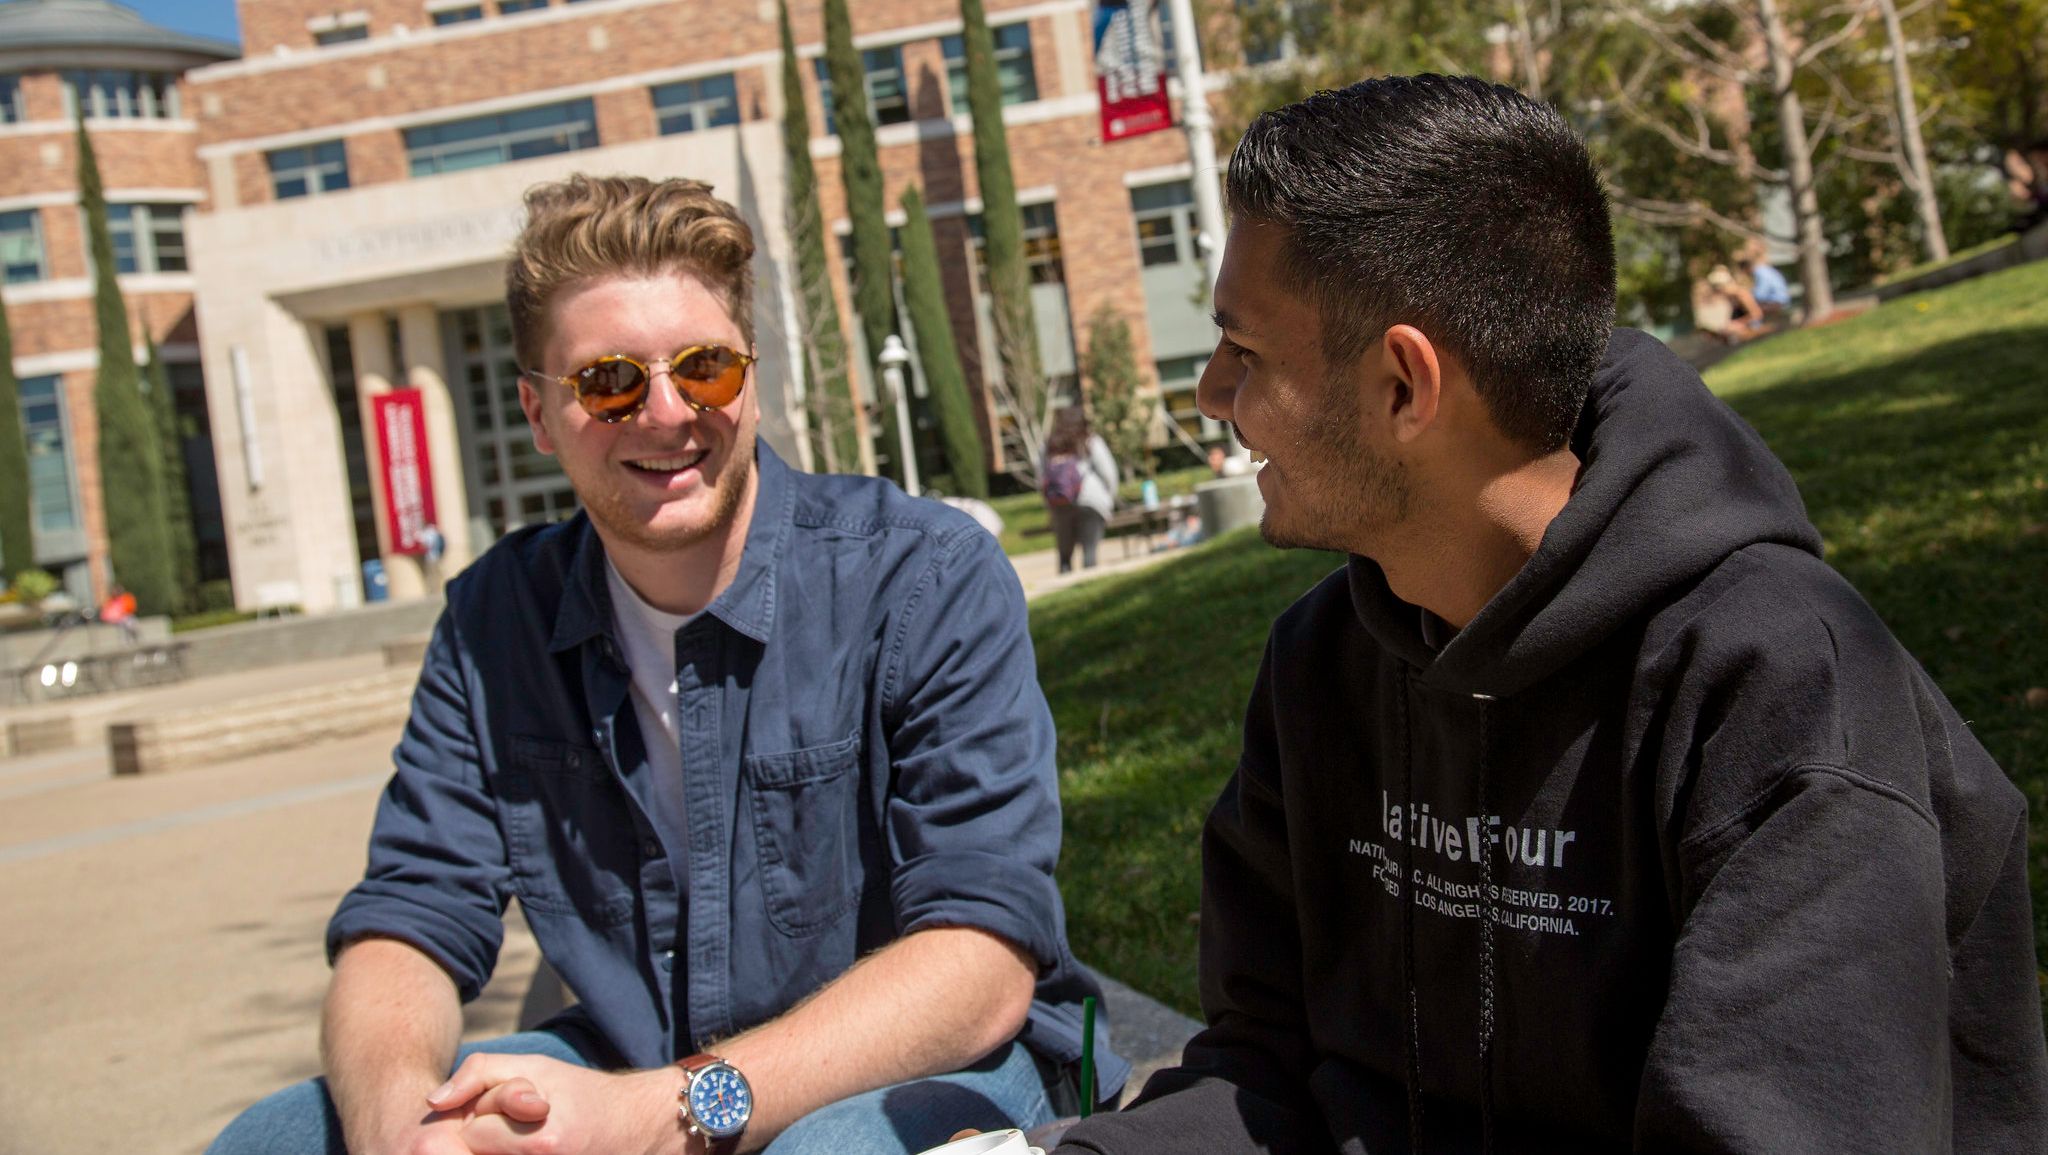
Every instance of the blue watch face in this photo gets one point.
(720, 1101)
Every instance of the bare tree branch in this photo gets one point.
(1715, 59)
(1826, 44)
(1701, 147)
(1670, 214)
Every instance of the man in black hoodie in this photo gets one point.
(1586, 808)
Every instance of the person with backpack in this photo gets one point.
(1078, 480)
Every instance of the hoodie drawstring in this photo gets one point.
(1412, 1036)
(1488, 903)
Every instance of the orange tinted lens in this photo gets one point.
(710, 375)
(611, 388)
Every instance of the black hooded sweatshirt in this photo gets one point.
(1697, 858)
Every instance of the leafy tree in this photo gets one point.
(17, 541)
(131, 468)
(860, 170)
(177, 494)
(925, 296)
(833, 408)
(1995, 58)
(1116, 411)
(1021, 388)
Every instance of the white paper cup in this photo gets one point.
(1008, 1142)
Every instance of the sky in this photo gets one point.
(215, 18)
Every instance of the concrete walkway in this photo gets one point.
(164, 965)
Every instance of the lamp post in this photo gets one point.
(1233, 500)
(894, 358)
(1201, 131)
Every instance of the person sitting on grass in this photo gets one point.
(1585, 808)
(1768, 289)
(762, 755)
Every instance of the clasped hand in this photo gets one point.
(534, 1105)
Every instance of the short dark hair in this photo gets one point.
(1458, 206)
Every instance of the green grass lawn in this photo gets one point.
(1027, 527)
(1919, 435)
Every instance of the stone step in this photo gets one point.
(37, 735)
(282, 721)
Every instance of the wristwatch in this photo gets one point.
(715, 1102)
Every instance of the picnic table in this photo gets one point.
(1148, 522)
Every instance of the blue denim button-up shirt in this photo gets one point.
(865, 753)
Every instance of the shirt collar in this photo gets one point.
(747, 605)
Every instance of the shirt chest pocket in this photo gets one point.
(569, 834)
(806, 807)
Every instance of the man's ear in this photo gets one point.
(530, 404)
(1418, 382)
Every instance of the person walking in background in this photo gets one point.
(1079, 484)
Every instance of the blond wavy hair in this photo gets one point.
(595, 226)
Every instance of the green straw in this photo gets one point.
(1087, 1056)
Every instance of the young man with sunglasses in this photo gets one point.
(1585, 808)
(762, 756)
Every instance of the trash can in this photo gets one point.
(376, 583)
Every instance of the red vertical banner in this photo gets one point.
(402, 461)
(1130, 70)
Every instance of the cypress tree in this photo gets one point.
(1002, 223)
(925, 296)
(17, 541)
(831, 387)
(131, 469)
(177, 494)
(860, 170)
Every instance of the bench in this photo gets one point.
(1148, 523)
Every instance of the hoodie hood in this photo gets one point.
(1651, 439)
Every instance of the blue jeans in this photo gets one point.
(1003, 1090)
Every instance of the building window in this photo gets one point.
(341, 378)
(147, 238)
(116, 92)
(12, 110)
(53, 505)
(462, 15)
(1178, 377)
(1013, 66)
(21, 247)
(347, 33)
(508, 7)
(1164, 221)
(514, 483)
(708, 102)
(888, 98)
(1041, 244)
(501, 138)
(308, 171)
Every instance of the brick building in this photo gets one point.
(56, 55)
(362, 174)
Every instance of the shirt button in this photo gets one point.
(651, 848)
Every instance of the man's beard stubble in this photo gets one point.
(1357, 493)
(728, 493)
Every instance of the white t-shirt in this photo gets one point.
(648, 638)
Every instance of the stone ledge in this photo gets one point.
(274, 722)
